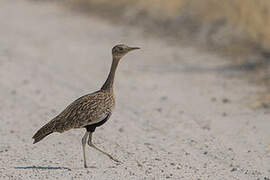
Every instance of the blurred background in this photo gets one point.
(192, 103)
(238, 30)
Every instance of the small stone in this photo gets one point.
(181, 112)
(225, 100)
(213, 99)
(233, 169)
(163, 98)
(159, 109)
(13, 92)
(37, 91)
(205, 165)
(25, 81)
(121, 130)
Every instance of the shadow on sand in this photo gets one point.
(44, 168)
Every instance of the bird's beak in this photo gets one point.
(133, 48)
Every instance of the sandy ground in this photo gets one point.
(180, 114)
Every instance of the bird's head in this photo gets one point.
(120, 50)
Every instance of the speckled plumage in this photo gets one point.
(88, 111)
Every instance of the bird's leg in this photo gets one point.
(100, 150)
(84, 139)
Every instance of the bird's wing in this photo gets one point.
(86, 110)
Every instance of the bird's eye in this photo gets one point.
(120, 48)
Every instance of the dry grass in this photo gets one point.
(250, 15)
(247, 20)
(239, 28)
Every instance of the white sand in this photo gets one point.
(172, 119)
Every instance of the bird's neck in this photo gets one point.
(108, 85)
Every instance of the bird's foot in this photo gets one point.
(114, 159)
(107, 154)
(85, 166)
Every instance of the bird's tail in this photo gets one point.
(43, 132)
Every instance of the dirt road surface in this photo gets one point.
(180, 113)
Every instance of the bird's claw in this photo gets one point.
(85, 166)
(114, 159)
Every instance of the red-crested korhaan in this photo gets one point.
(89, 111)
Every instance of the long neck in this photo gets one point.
(108, 85)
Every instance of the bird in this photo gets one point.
(89, 111)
